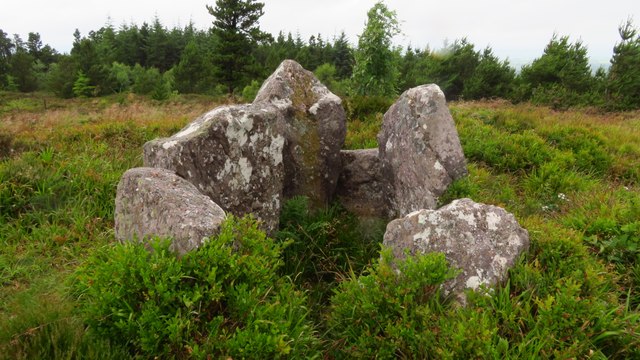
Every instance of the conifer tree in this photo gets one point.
(238, 34)
(624, 74)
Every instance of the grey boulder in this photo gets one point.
(314, 126)
(156, 202)
(360, 187)
(483, 241)
(232, 154)
(420, 152)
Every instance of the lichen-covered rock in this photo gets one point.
(314, 127)
(156, 202)
(483, 241)
(234, 155)
(420, 151)
(360, 188)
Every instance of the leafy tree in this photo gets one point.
(146, 81)
(624, 74)
(61, 77)
(491, 78)
(6, 49)
(376, 69)
(326, 73)
(21, 67)
(120, 77)
(238, 34)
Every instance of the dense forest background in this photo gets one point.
(234, 57)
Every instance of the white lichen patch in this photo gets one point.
(274, 150)
(245, 169)
(438, 166)
(474, 282)
(469, 218)
(493, 220)
(501, 262)
(228, 167)
(422, 236)
(238, 128)
(282, 104)
(169, 144)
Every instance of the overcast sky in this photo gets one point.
(515, 29)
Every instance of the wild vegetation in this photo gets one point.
(68, 290)
(322, 287)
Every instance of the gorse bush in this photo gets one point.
(226, 298)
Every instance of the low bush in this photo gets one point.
(225, 299)
(588, 148)
(387, 312)
(358, 107)
(324, 245)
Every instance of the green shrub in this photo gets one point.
(504, 151)
(362, 132)
(589, 149)
(386, 312)
(82, 86)
(359, 107)
(250, 91)
(325, 245)
(226, 298)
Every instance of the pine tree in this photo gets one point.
(624, 74)
(342, 57)
(561, 77)
(238, 34)
(82, 86)
(491, 78)
(194, 72)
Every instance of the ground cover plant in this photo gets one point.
(571, 178)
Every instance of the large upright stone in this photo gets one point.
(483, 241)
(314, 127)
(420, 151)
(233, 154)
(360, 187)
(156, 202)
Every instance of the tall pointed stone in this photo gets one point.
(314, 126)
(419, 149)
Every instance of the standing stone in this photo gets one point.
(483, 241)
(314, 127)
(157, 202)
(232, 154)
(420, 151)
(360, 187)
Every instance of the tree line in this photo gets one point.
(234, 56)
